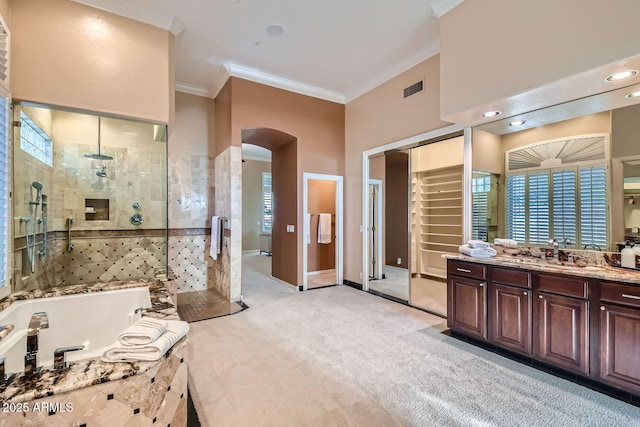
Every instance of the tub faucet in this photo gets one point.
(38, 321)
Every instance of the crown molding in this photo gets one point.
(441, 7)
(137, 13)
(219, 81)
(283, 83)
(393, 71)
(192, 89)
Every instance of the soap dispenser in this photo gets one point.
(628, 256)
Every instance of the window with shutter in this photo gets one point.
(480, 187)
(5, 212)
(267, 203)
(558, 189)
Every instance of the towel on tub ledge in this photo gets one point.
(176, 329)
(144, 331)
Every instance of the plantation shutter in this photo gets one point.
(538, 208)
(565, 222)
(516, 208)
(4, 192)
(267, 203)
(593, 205)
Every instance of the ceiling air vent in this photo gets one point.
(414, 88)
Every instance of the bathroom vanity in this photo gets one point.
(582, 321)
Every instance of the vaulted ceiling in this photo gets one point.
(331, 49)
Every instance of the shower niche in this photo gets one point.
(86, 164)
(96, 209)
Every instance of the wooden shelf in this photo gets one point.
(436, 216)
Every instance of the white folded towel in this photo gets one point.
(478, 252)
(505, 242)
(144, 331)
(478, 244)
(176, 329)
(216, 232)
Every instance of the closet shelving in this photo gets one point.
(437, 217)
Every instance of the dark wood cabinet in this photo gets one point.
(588, 327)
(620, 336)
(562, 332)
(510, 317)
(467, 306)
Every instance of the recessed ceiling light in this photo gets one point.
(621, 75)
(633, 95)
(490, 114)
(275, 30)
(517, 123)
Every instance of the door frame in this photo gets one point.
(339, 180)
(378, 225)
(411, 142)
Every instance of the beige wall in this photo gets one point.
(495, 49)
(71, 55)
(252, 171)
(193, 131)
(223, 119)
(379, 117)
(318, 126)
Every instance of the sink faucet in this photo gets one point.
(38, 321)
(593, 246)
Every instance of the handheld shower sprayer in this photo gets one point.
(38, 187)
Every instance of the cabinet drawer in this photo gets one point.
(619, 293)
(507, 276)
(561, 285)
(467, 269)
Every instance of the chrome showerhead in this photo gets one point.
(98, 155)
(38, 187)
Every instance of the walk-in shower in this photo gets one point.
(72, 209)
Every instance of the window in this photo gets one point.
(267, 203)
(35, 141)
(480, 187)
(562, 203)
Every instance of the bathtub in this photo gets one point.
(91, 319)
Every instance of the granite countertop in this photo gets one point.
(589, 264)
(90, 371)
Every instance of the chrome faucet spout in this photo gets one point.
(37, 322)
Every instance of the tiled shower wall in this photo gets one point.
(191, 195)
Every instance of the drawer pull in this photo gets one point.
(540, 296)
(630, 296)
(525, 293)
(464, 270)
(482, 284)
(602, 307)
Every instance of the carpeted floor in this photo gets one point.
(338, 356)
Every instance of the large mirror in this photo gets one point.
(570, 172)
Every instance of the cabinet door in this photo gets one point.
(563, 332)
(620, 347)
(467, 306)
(510, 317)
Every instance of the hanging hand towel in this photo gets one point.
(324, 228)
(144, 331)
(117, 352)
(215, 237)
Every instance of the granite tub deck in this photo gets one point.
(590, 264)
(93, 371)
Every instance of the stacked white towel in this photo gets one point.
(505, 242)
(477, 252)
(154, 350)
(144, 331)
(478, 244)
